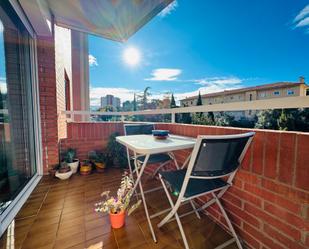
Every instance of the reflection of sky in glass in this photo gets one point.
(2, 61)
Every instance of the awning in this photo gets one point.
(113, 19)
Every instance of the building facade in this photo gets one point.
(110, 100)
(267, 91)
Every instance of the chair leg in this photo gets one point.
(158, 168)
(195, 209)
(171, 214)
(228, 221)
(172, 156)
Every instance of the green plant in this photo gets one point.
(69, 155)
(121, 202)
(116, 152)
(97, 156)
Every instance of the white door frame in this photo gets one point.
(11, 211)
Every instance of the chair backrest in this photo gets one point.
(217, 156)
(138, 129)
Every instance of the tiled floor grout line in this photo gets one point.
(54, 244)
(35, 217)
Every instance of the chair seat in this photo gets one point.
(156, 158)
(195, 186)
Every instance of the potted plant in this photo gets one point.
(69, 156)
(98, 159)
(118, 206)
(116, 152)
(64, 172)
(85, 168)
(52, 171)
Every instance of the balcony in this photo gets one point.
(267, 204)
(60, 214)
(44, 97)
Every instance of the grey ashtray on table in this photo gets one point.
(160, 134)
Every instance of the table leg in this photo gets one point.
(139, 182)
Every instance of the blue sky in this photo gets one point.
(207, 46)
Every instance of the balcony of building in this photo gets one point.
(45, 110)
(267, 203)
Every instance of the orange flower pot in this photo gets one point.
(117, 220)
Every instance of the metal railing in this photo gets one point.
(275, 103)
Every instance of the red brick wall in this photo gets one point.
(85, 137)
(269, 201)
(48, 100)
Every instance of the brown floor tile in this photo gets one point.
(103, 241)
(70, 241)
(60, 214)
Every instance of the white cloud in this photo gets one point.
(302, 19)
(302, 14)
(219, 81)
(169, 9)
(165, 74)
(1, 27)
(303, 22)
(205, 90)
(97, 92)
(208, 85)
(92, 60)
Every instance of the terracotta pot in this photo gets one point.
(100, 167)
(85, 169)
(117, 220)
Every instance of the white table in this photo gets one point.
(147, 145)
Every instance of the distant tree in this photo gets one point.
(211, 117)
(107, 108)
(199, 102)
(224, 119)
(267, 119)
(286, 121)
(143, 99)
(134, 103)
(155, 104)
(199, 99)
(302, 120)
(202, 120)
(127, 106)
(173, 102)
(245, 122)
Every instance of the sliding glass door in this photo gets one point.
(18, 162)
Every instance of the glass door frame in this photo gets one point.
(11, 211)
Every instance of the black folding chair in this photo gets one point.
(211, 170)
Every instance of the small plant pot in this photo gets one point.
(85, 169)
(52, 172)
(117, 220)
(65, 175)
(100, 167)
(74, 165)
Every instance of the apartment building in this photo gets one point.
(110, 100)
(267, 91)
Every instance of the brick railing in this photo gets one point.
(269, 201)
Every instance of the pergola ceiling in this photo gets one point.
(112, 19)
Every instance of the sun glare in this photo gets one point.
(131, 56)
